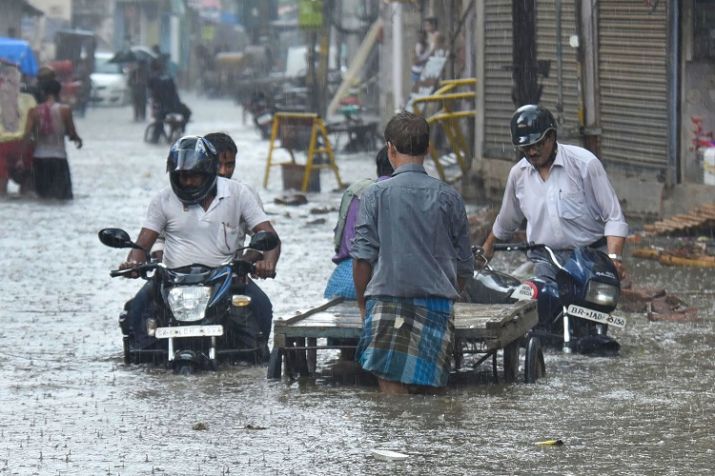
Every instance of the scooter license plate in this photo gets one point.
(595, 316)
(188, 331)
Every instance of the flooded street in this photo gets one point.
(68, 405)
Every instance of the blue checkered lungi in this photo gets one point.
(341, 282)
(408, 340)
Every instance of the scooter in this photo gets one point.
(575, 309)
(200, 314)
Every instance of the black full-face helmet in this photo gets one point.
(529, 125)
(196, 155)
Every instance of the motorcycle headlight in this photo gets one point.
(188, 303)
(240, 300)
(602, 294)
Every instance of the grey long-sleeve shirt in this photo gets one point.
(413, 229)
(574, 207)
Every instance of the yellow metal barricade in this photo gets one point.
(449, 120)
(302, 120)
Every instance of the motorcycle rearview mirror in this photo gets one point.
(117, 238)
(264, 241)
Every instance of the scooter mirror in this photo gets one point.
(264, 241)
(116, 238)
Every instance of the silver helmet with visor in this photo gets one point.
(194, 156)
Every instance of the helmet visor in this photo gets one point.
(533, 138)
(187, 160)
(193, 159)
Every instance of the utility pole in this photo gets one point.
(397, 56)
(312, 18)
(324, 59)
(525, 88)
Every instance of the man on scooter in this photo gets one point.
(561, 190)
(204, 218)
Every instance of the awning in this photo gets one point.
(29, 10)
(20, 53)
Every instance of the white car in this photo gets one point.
(109, 83)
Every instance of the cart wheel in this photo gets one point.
(275, 362)
(534, 361)
(127, 355)
(511, 362)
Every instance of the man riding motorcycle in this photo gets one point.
(561, 190)
(200, 215)
(563, 193)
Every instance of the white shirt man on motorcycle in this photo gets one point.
(561, 190)
(202, 216)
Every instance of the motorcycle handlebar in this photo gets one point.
(245, 268)
(142, 269)
(240, 267)
(529, 246)
(516, 246)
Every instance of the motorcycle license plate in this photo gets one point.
(188, 331)
(595, 316)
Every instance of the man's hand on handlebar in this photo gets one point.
(620, 268)
(264, 269)
(130, 265)
(488, 246)
(134, 260)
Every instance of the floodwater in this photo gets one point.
(69, 406)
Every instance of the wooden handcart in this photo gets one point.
(481, 329)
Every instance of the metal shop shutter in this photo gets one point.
(546, 29)
(632, 78)
(498, 105)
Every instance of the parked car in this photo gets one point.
(109, 83)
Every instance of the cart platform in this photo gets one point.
(479, 329)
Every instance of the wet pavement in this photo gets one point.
(68, 405)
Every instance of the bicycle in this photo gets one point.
(172, 128)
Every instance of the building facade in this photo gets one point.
(13, 13)
(629, 79)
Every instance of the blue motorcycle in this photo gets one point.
(575, 309)
(198, 315)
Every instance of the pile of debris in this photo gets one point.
(696, 247)
(480, 224)
(695, 253)
(657, 304)
(697, 220)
